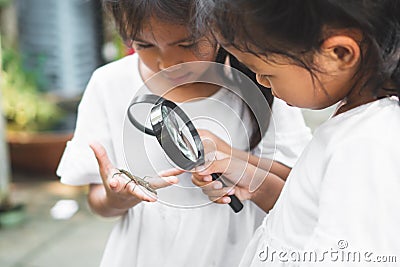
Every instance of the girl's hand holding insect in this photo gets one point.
(121, 189)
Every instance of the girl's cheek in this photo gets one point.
(149, 60)
(206, 53)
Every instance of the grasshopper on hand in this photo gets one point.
(137, 180)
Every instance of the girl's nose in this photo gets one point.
(168, 60)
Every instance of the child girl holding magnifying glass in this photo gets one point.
(341, 197)
(160, 233)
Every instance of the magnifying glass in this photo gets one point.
(176, 134)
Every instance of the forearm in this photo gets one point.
(267, 194)
(100, 204)
(279, 169)
(275, 167)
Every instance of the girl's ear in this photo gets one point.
(343, 50)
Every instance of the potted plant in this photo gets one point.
(32, 117)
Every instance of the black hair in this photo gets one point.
(131, 16)
(296, 29)
(257, 107)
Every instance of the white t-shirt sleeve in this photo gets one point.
(286, 136)
(78, 165)
(354, 193)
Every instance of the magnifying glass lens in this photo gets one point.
(180, 133)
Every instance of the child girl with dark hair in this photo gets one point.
(156, 234)
(342, 194)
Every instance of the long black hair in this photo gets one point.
(260, 115)
(131, 16)
(296, 29)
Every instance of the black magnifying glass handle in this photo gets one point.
(235, 203)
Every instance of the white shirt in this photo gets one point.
(171, 232)
(341, 196)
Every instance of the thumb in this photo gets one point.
(217, 166)
(233, 170)
(102, 158)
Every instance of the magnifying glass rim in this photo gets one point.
(143, 99)
(166, 140)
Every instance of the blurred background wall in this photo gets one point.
(61, 41)
(50, 49)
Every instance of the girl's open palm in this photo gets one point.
(121, 191)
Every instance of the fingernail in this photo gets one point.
(217, 185)
(173, 180)
(113, 183)
(226, 200)
(232, 192)
(207, 178)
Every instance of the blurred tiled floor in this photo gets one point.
(42, 241)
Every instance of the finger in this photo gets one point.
(201, 178)
(204, 134)
(199, 181)
(101, 155)
(218, 193)
(222, 155)
(217, 166)
(221, 200)
(171, 172)
(161, 182)
(118, 181)
(140, 192)
(208, 186)
(232, 170)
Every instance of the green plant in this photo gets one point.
(25, 107)
(4, 3)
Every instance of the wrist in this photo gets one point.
(267, 193)
(105, 207)
(121, 204)
(106, 204)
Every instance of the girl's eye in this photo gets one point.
(188, 45)
(142, 46)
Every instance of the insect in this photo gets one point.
(137, 180)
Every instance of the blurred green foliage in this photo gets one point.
(4, 3)
(25, 107)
